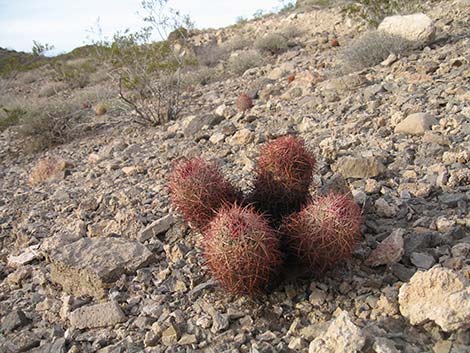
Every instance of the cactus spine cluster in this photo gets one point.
(242, 235)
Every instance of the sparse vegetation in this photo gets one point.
(75, 74)
(241, 61)
(370, 49)
(374, 11)
(50, 124)
(272, 43)
(149, 73)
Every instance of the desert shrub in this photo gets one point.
(10, 116)
(210, 54)
(272, 43)
(51, 89)
(236, 43)
(374, 11)
(201, 76)
(239, 62)
(149, 72)
(290, 32)
(75, 75)
(370, 49)
(50, 124)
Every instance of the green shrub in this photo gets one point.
(239, 62)
(370, 49)
(272, 43)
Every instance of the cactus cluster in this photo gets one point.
(242, 235)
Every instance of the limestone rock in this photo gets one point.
(359, 167)
(416, 27)
(342, 336)
(440, 295)
(89, 265)
(98, 315)
(416, 124)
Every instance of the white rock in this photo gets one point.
(417, 27)
(217, 137)
(242, 137)
(416, 124)
(28, 255)
(159, 226)
(440, 295)
(342, 336)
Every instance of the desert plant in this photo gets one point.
(198, 190)
(241, 250)
(239, 62)
(149, 72)
(370, 49)
(374, 11)
(50, 124)
(10, 116)
(283, 174)
(272, 43)
(75, 75)
(324, 232)
(201, 76)
(236, 43)
(51, 89)
(100, 109)
(244, 102)
(210, 54)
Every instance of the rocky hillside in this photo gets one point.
(93, 257)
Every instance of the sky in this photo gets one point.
(66, 24)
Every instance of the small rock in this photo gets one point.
(342, 336)
(416, 124)
(187, 340)
(158, 227)
(359, 167)
(439, 294)
(27, 256)
(14, 320)
(385, 209)
(389, 251)
(384, 345)
(417, 27)
(217, 137)
(242, 137)
(98, 315)
(421, 260)
(170, 336)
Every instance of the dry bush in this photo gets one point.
(50, 124)
(290, 32)
(51, 89)
(239, 62)
(236, 43)
(74, 73)
(374, 11)
(202, 76)
(47, 169)
(210, 54)
(370, 49)
(272, 43)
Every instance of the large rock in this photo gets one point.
(89, 265)
(98, 315)
(417, 27)
(440, 295)
(359, 167)
(341, 337)
(416, 124)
